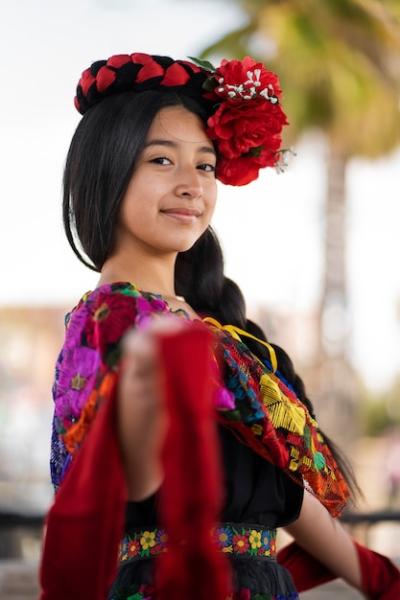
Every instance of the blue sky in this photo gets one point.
(276, 220)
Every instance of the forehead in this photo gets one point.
(178, 124)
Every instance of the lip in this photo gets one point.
(184, 215)
(183, 218)
(182, 211)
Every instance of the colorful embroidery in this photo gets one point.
(270, 419)
(146, 592)
(231, 538)
(253, 400)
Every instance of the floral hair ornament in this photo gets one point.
(247, 123)
(242, 99)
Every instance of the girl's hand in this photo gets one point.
(142, 419)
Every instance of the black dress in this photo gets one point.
(256, 493)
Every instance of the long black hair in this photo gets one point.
(99, 166)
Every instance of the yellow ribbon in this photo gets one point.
(235, 331)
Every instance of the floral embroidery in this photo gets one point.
(148, 540)
(255, 539)
(240, 543)
(147, 592)
(231, 538)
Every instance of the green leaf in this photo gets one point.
(205, 64)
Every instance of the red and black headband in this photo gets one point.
(241, 97)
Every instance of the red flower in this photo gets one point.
(249, 124)
(243, 170)
(241, 78)
(133, 548)
(240, 543)
(112, 315)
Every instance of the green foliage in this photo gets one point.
(338, 62)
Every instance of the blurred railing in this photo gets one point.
(364, 521)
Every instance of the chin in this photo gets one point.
(181, 245)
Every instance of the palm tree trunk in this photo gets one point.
(337, 383)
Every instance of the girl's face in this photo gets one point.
(171, 196)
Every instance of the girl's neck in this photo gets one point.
(155, 278)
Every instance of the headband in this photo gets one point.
(242, 99)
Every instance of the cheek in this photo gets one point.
(139, 206)
(211, 198)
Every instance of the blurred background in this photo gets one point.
(315, 250)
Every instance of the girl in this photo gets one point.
(139, 195)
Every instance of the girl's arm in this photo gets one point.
(326, 540)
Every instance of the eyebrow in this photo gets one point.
(171, 144)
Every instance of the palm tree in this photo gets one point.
(339, 65)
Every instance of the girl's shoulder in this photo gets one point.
(104, 314)
(110, 298)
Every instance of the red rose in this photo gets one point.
(243, 170)
(238, 128)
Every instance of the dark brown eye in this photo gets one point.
(211, 168)
(159, 159)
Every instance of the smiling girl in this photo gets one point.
(139, 196)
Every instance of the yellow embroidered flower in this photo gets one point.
(223, 537)
(78, 382)
(148, 539)
(255, 539)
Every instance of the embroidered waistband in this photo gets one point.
(232, 538)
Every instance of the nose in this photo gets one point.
(189, 183)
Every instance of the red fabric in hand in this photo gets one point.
(306, 571)
(380, 577)
(85, 524)
(191, 495)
